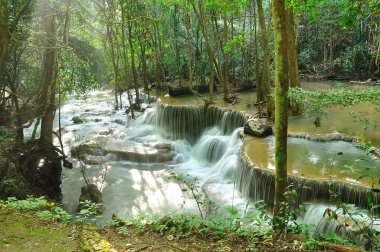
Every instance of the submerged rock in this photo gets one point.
(106, 132)
(163, 146)
(77, 120)
(257, 128)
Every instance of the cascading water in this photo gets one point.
(203, 142)
(137, 156)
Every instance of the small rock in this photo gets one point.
(163, 146)
(257, 128)
(119, 121)
(106, 132)
(77, 120)
(98, 120)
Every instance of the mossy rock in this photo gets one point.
(92, 241)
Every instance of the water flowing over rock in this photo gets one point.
(188, 122)
(258, 184)
(325, 137)
(91, 153)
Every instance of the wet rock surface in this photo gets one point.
(257, 128)
(91, 153)
(77, 120)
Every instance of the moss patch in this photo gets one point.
(25, 232)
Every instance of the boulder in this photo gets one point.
(77, 120)
(257, 128)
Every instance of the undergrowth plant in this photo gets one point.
(51, 211)
(358, 226)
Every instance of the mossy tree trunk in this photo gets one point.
(281, 115)
(265, 78)
(292, 57)
(50, 74)
(225, 57)
(188, 45)
(4, 38)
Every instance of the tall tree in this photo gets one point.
(50, 73)
(265, 78)
(202, 23)
(281, 114)
(4, 38)
(292, 57)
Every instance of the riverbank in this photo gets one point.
(26, 232)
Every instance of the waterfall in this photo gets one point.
(258, 184)
(189, 122)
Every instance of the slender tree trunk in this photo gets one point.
(259, 88)
(156, 56)
(292, 56)
(233, 61)
(177, 50)
(281, 115)
(134, 72)
(125, 59)
(215, 29)
(202, 24)
(4, 32)
(225, 57)
(114, 62)
(265, 78)
(144, 66)
(189, 51)
(50, 75)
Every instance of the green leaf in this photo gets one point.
(370, 199)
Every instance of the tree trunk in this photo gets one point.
(265, 78)
(202, 24)
(4, 38)
(114, 62)
(50, 75)
(292, 56)
(281, 118)
(189, 51)
(259, 88)
(225, 57)
(134, 72)
(125, 59)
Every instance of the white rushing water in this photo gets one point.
(131, 188)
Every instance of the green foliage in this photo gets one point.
(191, 185)
(229, 223)
(89, 211)
(321, 99)
(41, 207)
(290, 211)
(6, 134)
(8, 185)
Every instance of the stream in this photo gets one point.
(137, 157)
